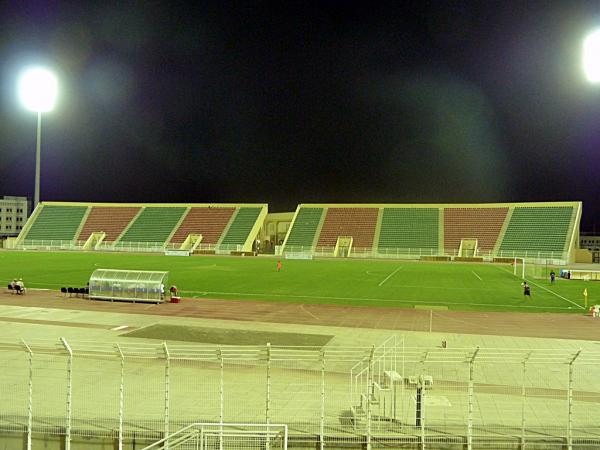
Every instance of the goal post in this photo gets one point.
(519, 267)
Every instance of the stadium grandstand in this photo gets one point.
(475, 232)
(201, 228)
(547, 230)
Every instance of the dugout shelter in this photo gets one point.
(128, 285)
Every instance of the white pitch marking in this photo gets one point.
(308, 312)
(559, 296)
(476, 275)
(552, 292)
(119, 328)
(389, 276)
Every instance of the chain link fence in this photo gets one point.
(389, 396)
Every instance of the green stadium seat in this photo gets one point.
(244, 221)
(56, 223)
(538, 229)
(154, 224)
(409, 228)
(302, 233)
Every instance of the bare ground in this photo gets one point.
(546, 325)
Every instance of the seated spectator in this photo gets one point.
(20, 285)
(173, 291)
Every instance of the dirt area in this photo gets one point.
(546, 325)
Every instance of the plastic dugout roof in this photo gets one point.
(138, 276)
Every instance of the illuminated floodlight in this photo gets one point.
(591, 57)
(38, 89)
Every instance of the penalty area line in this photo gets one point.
(548, 290)
(473, 272)
(559, 296)
(389, 276)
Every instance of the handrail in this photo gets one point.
(197, 428)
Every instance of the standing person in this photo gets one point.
(552, 277)
(279, 265)
(162, 291)
(526, 289)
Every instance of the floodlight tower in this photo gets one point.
(591, 57)
(38, 89)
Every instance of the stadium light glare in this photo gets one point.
(591, 57)
(38, 90)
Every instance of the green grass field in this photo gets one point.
(458, 286)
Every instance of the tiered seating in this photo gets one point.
(359, 223)
(56, 223)
(305, 227)
(207, 221)
(409, 228)
(537, 229)
(154, 224)
(111, 220)
(242, 225)
(483, 224)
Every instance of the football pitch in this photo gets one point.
(456, 286)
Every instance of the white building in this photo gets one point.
(13, 215)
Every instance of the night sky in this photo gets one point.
(301, 102)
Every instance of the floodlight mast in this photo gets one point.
(38, 90)
(36, 197)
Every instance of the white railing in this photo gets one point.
(536, 257)
(135, 247)
(50, 244)
(226, 249)
(206, 436)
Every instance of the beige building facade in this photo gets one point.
(13, 215)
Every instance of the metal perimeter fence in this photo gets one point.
(389, 396)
